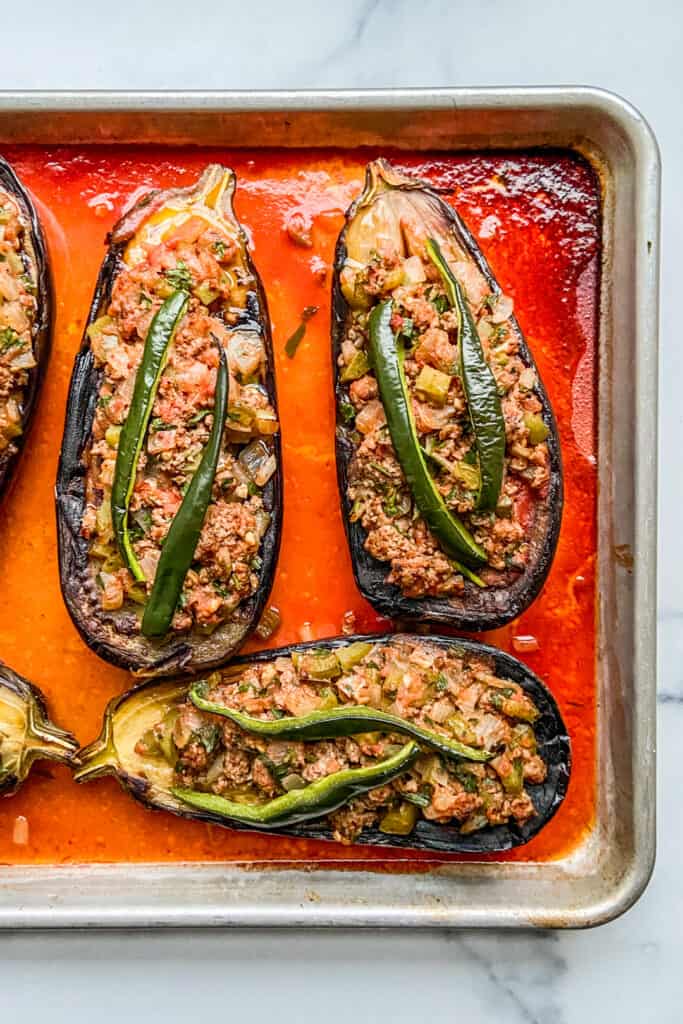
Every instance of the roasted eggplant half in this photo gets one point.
(399, 740)
(26, 733)
(25, 316)
(169, 488)
(448, 457)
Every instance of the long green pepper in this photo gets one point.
(479, 385)
(387, 359)
(313, 801)
(159, 337)
(332, 723)
(181, 540)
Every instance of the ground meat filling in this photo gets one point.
(380, 497)
(209, 263)
(448, 691)
(18, 309)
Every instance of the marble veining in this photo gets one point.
(499, 961)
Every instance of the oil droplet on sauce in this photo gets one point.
(20, 832)
(525, 644)
(583, 396)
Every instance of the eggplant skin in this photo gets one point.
(551, 735)
(477, 609)
(42, 327)
(49, 742)
(105, 632)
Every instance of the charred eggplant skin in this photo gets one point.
(479, 608)
(42, 327)
(101, 631)
(42, 739)
(99, 758)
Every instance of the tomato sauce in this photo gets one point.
(537, 219)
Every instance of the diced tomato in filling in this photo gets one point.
(18, 305)
(380, 497)
(208, 263)
(449, 692)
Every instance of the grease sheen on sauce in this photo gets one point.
(536, 217)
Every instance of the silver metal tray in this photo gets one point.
(608, 872)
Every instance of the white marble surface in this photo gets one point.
(630, 968)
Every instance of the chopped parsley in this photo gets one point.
(9, 339)
(421, 799)
(208, 735)
(441, 682)
(293, 342)
(407, 329)
(219, 248)
(379, 468)
(395, 503)
(198, 416)
(440, 303)
(390, 506)
(347, 411)
(158, 424)
(467, 780)
(180, 276)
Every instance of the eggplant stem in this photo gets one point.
(99, 757)
(47, 741)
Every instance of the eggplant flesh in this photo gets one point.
(149, 779)
(26, 733)
(115, 636)
(402, 213)
(36, 268)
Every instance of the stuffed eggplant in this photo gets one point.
(25, 316)
(397, 740)
(448, 456)
(169, 482)
(26, 733)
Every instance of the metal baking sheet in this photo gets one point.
(608, 872)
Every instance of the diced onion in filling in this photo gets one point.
(259, 462)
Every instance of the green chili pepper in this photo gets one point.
(399, 821)
(159, 337)
(468, 574)
(183, 535)
(293, 342)
(313, 801)
(346, 720)
(481, 391)
(387, 357)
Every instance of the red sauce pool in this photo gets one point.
(537, 218)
